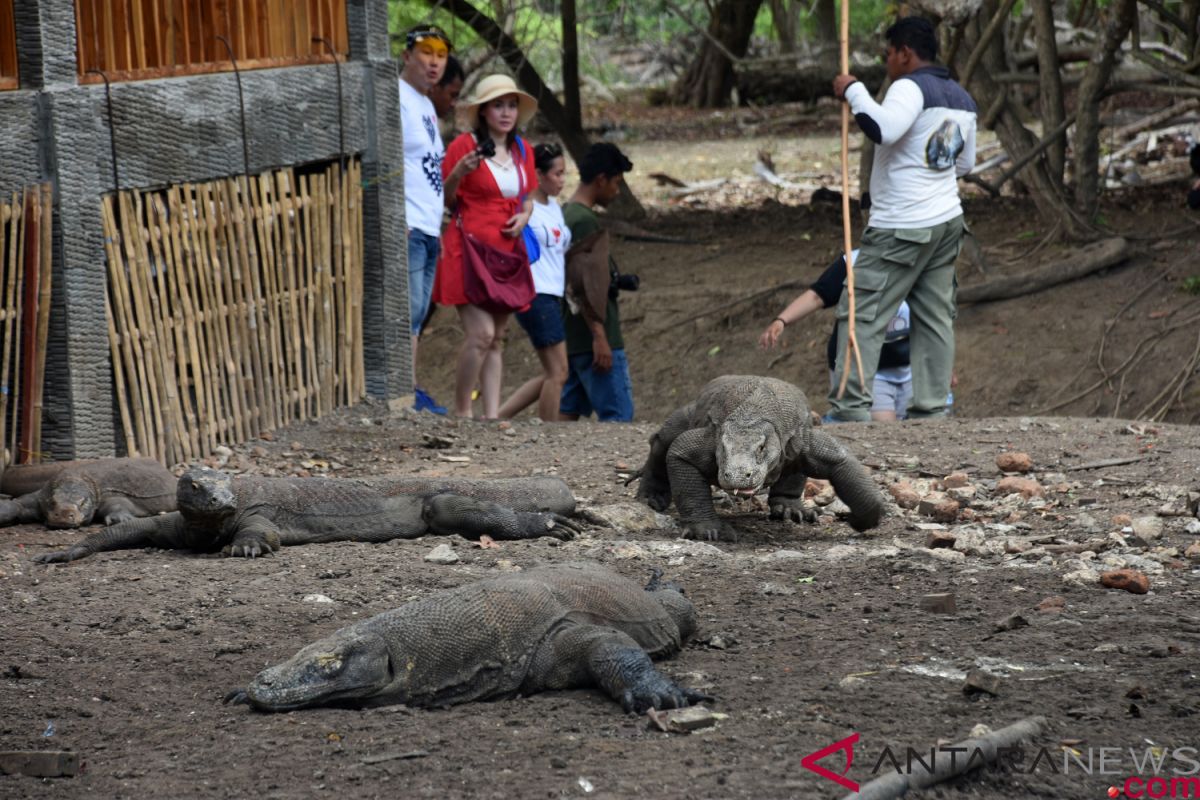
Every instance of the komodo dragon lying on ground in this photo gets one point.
(253, 516)
(745, 433)
(555, 627)
(73, 493)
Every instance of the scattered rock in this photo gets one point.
(1128, 579)
(1011, 623)
(1124, 520)
(783, 555)
(961, 494)
(976, 542)
(1193, 551)
(683, 720)
(904, 494)
(317, 598)
(1052, 605)
(956, 480)
(772, 588)
(1015, 546)
(980, 681)
(1014, 462)
(1082, 577)
(1148, 528)
(943, 603)
(39, 764)
(951, 556)
(841, 551)
(631, 518)
(968, 515)
(1192, 527)
(721, 641)
(442, 554)
(1026, 487)
(939, 507)
(935, 539)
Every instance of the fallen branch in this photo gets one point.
(1091, 258)
(1108, 462)
(974, 753)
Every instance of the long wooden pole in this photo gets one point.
(847, 232)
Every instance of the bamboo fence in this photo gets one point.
(234, 307)
(26, 224)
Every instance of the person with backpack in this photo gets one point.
(490, 175)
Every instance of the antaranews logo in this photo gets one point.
(846, 745)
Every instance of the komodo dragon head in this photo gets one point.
(348, 667)
(205, 493)
(70, 501)
(749, 451)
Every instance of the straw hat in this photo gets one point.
(490, 88)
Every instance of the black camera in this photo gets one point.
(626, 282)
(486, 148)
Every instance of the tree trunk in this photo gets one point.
(1050, 81)
(709, 79)
(783, 14)
(570, 66)
(827, 23)
(1121, 14)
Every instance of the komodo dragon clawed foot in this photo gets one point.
(791, 508)
(658, 691)
(709, 530)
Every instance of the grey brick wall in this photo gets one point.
(188, 129)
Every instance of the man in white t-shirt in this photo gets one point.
(425, 52)
(924, 132)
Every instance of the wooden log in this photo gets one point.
(1089, 259)
(977, 752)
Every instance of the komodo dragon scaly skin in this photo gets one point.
(744, 433)
(111, 490)
(555, 627)
(252, 516)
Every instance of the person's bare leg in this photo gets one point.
(525, 396)
(883, 416)
(478, 332)
(554, 374)
(492, 371)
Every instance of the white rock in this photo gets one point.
(841, 551)
(1149, 528)
(316, 598)
(632, 517)
(973, 541)
(442, 554)
(783, 555)
(942, 554)
(1082, 577)
(1193, 527)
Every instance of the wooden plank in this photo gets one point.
(8, 41)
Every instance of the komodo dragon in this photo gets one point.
(73, 493)
(744, 433)
(252, 516)
(555, 627)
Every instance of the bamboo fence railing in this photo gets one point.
(25, 282)
(234, 307)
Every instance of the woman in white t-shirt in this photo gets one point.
(543, 321)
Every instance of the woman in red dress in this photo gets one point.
(491, 198)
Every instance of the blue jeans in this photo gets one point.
(609, 394)
(422, 265)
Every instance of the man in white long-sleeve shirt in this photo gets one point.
(924, 134)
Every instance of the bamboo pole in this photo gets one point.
(210, 275)
(325, 292)
(267, 294)
(43, 325)
(31, 267)
(347, 326)
(232, 319)
(12, 217)
(360, 386)
(847, 227)
(18, 331)
(135, 434)
(143, 330)
(308, 297)
(286, 183)
(246, 282)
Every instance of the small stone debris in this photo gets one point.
(1014, 462)
(1052, 605)
(454, 459)
(682, 720)
(1011, 623)
(772, 588)
(936, 539)
(316, 598)
(1149, 529)
(939, 507)
(1026, 487)
(39, 763)
(1083, 578)
(904, 494)
(979, 681)
(1129, 580)
(380, 758)
(721, 641)
(943, 603)
(1192, 552)
(442, 554)
(1192, 528)
(956, 480)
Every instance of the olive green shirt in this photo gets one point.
(583, 222)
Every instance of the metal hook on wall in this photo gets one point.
(337, 64)
(241, 103)
(112, 125)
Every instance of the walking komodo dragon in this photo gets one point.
(746, 433)
(252, 516)
(555, 627)
(70, 494)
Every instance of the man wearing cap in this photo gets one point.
(425, 52)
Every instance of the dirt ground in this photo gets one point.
(808, 634)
